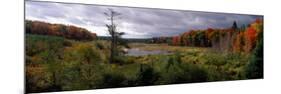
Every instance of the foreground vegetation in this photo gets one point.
(55, 63)
(62, 60)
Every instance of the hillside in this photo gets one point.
(66, 31)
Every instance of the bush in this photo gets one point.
(146, 75)
(37, 79)
(88, 54)
(216, 73)
(113, 79)
(174, 71)
(216, 59)
(71, 78)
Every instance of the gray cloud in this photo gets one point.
(135, 22)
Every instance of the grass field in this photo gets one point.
(218, 65)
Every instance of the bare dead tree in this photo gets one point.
(112, 16)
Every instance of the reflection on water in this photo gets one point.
(139, 52)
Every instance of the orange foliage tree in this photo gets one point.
(66, 31)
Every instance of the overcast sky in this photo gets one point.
(135, 22)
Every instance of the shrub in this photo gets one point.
(217, 59)
(216, 73)
(113, 79)
(175, 71)
(110, 76)
(83, 53)
(88, 53)
(146, 75)
(37, 79)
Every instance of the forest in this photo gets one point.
(66, 57)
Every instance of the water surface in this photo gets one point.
(139, 52)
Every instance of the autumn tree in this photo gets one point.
(250, 39)
(66, 31)
(230, 39)
(176, 40)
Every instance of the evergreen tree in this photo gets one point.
(234, 26)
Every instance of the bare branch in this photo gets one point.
(106, 14)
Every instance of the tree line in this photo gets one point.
(66, 31)
(243, 39)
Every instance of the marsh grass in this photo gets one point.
(55, 64)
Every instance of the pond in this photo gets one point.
(139, 52)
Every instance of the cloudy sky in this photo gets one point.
(135, 22)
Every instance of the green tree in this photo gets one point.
(234, 26)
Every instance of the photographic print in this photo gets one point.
(70, 46)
